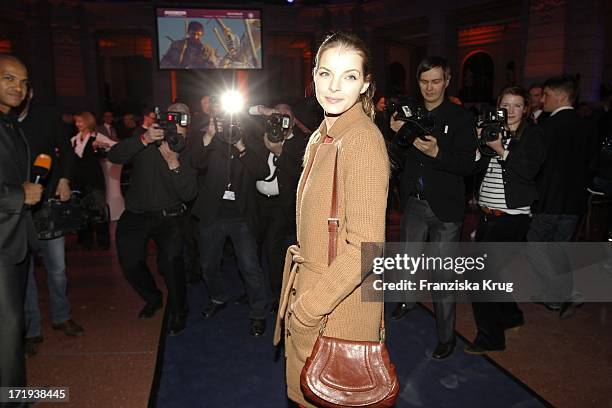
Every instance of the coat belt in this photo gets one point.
(292, 261)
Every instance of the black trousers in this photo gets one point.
(272, 239)
(492, 318)
(12, 291)
(133, 234)
(191, 252)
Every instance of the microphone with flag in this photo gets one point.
(41, 168)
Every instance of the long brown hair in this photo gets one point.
(353, 43)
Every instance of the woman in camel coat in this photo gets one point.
(311, 288)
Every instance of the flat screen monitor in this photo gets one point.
(199, 38)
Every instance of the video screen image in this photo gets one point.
(209, 38)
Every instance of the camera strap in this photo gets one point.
(229, 194)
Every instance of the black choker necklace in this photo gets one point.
(332, 115)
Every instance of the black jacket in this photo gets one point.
(88, 174)
(519, 170)
(213, 163)
(444, 187)
(563, 178)
(153, 187)
(16, 226)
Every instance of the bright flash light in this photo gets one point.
(231, 101)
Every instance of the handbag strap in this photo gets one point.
(333, 223)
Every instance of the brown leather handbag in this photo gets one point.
(345, 373)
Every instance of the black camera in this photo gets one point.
(227, 124)
(167, 121)
(492, 125)
(417, 121)
(276, 126)
(227, 128)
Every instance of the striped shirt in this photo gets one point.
(492, 193)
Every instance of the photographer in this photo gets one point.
(161, 183)
(283, 150)
(226, 207)
(432, 185)
(506, 190)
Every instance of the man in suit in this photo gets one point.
(536, 114)
(17, 194)
(226, 207)
(276, 193)
(433, 190)
(107, 128)
(561, 183)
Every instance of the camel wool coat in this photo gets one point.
(312, 289)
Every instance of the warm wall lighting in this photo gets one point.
(5, 47)
(483, 35)
(125, 45)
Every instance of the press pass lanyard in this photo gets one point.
(229, 194)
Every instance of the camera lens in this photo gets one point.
(490, 133)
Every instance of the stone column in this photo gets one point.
(546, 40)
(585, 39)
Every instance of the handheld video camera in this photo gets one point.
(417, 122)
(492, 124)
(54, 218)
(167, 121)
(276, 126)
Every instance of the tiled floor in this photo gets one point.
(113, 364)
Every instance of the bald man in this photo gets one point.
(17, 194)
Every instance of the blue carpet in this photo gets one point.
(215, 363)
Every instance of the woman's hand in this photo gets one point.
(497, 146)
(97, 145)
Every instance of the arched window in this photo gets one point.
(477, 78)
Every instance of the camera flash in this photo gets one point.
(231, 101)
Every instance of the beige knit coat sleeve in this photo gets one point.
(363, 172)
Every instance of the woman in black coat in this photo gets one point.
(506, 189)
(89, 178)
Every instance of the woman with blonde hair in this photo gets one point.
(349, 145)
(89, 177)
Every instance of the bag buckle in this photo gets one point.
(323, 325)
(381, 335)
(333, 220)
